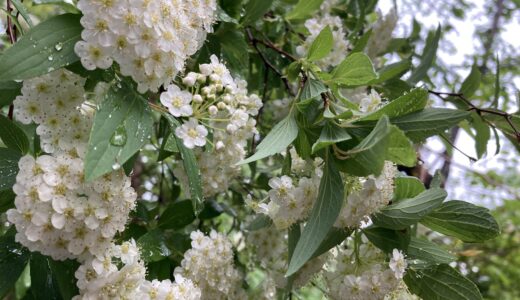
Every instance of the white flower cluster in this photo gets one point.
(209, 264)
(364, 277)
(60, 215)
(56, 212)
(120, 274)
(316, 25)
(374, 193)
(52, 102)
(270, 249)
(150, 40)
(290, 201)
(213, 99)
(99, 277)
(381, 34)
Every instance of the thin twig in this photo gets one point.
(11, 33)
(479, 110)
(254, 42)
(264, 100)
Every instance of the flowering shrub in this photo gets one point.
(199, 150)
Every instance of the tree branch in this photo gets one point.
(254, 42)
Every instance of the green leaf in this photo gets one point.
(391, 71)
(494, 104)
(427, 57)
(387, 239)
(222, 16)
(189, 161)
(177, 215)
(356, 69)
(428, 122)
(261, 221)
(330, 134)
(362, 42)
(153, 246)
(66, 5)
(439, 283)
(368, 157)
(36, 53)
(52, 280)
(122, 125)
(13, 259)
(234, 47)
(428, 251)
(407, 187)
(322, 217)
(8, 167)
(471, 83)
(407, 212)
(437, 180)
(281, 136)
(13, 136)
(335, 237)
(23, 11)
(6, 200)
(408, 103)
(322, 45)
(483, 134)
(9, 90)
(400, 149)
(463, 220)
(312, 89)
(255, 9)
(63, 273)
(303, 9)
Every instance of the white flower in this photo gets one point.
(397, 263)
(150, 40)
(210, 266)
(192, 134)
(93, 56)
(370, 102)
(281, 188)
(177, 101)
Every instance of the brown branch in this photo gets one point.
(11, 33)
(480, 110)
(254, 42)
(491, 34)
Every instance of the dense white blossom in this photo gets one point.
(220, 105)
(60, 215)
(209, 264)
(269, 246)
(398, 263)
(120, 274)
(56, 211)
(370, 102)
(291, 199)
(150, 40)
(315, 25)
(359, 275)
(116, 274)
(368, 195)
(381, 34)
(52, 101)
